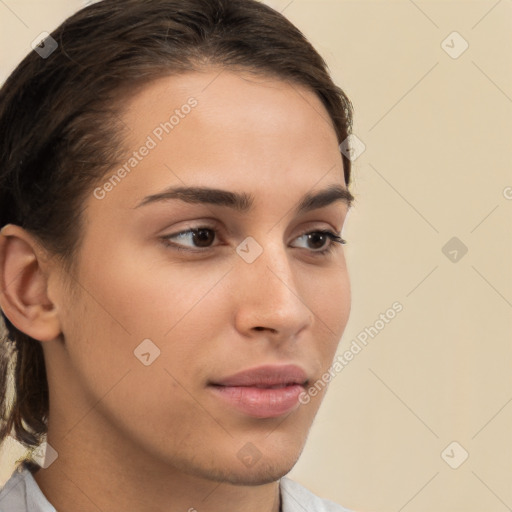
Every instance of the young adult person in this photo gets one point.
(172, 196)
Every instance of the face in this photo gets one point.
(182, 292)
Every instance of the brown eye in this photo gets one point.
(317, 239)
(190, 239)
(203, 237)
(321, 241)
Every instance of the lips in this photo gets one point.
(266, 377)
(262, 392)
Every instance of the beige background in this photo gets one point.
(437, 165)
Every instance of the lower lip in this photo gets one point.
(260, 402)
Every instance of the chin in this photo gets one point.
(264, 471)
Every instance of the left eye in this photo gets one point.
(203, 237)
(319, 238)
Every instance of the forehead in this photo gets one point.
(223, 129)
(229, 106)
(217, 89)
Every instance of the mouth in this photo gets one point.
(262, 392)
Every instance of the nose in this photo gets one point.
(271, 296)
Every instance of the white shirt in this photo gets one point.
(22, 494)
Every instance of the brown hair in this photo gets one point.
(60, 130)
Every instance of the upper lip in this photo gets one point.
(266, 376)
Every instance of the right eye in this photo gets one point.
(197, 238)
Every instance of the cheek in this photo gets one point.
(146, 293)
(129, 300)
(154, 401)
(121, 304)
(332, 311)
(328, 295)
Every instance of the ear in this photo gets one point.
(24, 285)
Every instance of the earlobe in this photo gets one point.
(24, 285)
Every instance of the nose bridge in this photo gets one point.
(271, 270)
(271, 298)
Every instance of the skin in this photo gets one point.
(155, 438)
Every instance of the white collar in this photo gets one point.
(21, 493)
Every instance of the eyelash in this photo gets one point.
(334, 238)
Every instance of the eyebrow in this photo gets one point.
(243, 202)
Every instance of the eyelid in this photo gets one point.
(321, 230)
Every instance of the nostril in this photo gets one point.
(260, 328)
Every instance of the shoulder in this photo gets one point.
(22, 494)
(296, 498)
(13, 495)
